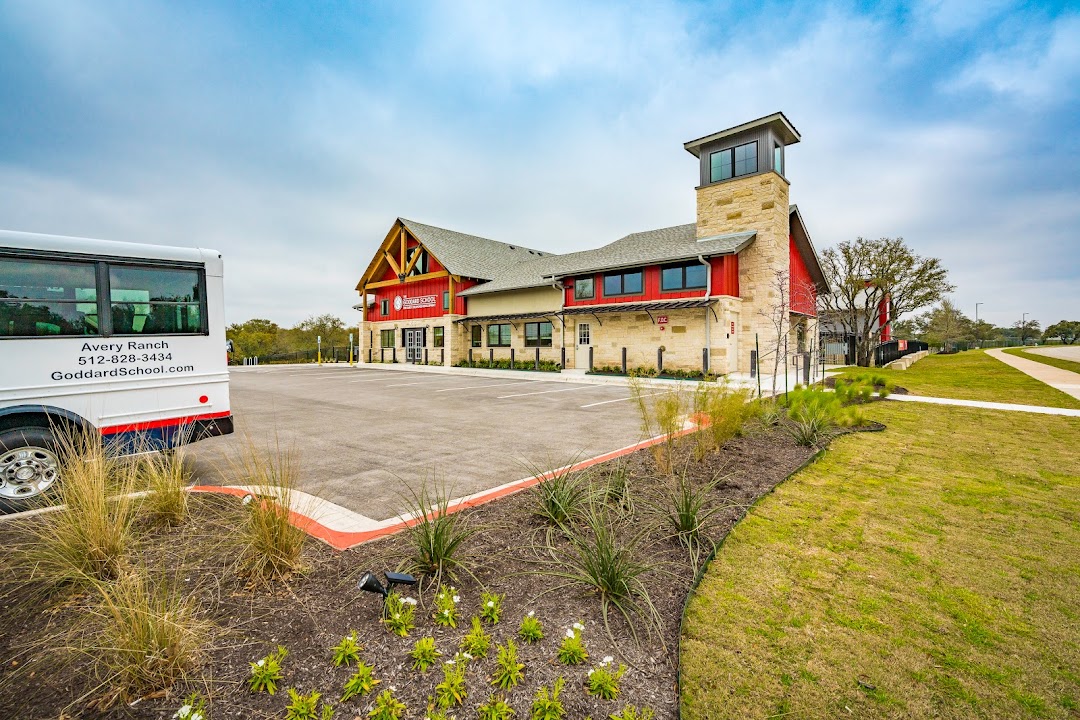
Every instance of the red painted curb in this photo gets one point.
(340, 540)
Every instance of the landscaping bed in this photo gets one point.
(311, 611)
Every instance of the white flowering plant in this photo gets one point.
(451, 691)
(194, 708)
(490, 607)
(424, 654)
(387, 707)
(399, 614)
(266, 673)
(476, 642)
(546, 703)
(347, 651)
(531, 630)
(572, 650)
(304, 707)
(602, 681)
(496, 708)
(508, 671)
(446, 602)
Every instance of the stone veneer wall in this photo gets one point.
(760, 203)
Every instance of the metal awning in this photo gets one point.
(640, 307)
(509, 316)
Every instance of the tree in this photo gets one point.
(984, 331)
(866, 274)
(778, 314)
(254, 337)
(1027, 328)
(1067, 331)
(332, 330)
(945, 324)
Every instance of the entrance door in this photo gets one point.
(584, 341)
(414, 345)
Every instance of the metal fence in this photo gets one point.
(886, 352)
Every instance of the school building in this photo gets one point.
(691, 297)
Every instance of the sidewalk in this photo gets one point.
(1063, 380)
(1068, 412)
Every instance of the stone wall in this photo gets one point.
(759, 203)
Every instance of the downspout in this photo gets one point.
(708, 294)
(562, 318)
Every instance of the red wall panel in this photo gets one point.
(803, 291)
(725, 281)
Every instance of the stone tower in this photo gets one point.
(742, 187)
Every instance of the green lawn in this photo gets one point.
(1046, 359)
(928, 571)
(974, 375)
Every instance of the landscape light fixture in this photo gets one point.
(369, 582)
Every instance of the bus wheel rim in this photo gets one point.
(26, 472)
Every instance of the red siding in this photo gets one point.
(883, 319)
(803, 291)
(436, 287)
(725, 281)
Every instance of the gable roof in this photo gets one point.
(643, 248)
(470, 255)
(806, 249)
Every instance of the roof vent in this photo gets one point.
(511, 247)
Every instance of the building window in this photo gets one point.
(386, 338)
(778, 158)
(683, 277)
(477, 338)
(746, 159)
(499, 335)
(584, 334)
(733, 162)
(538, 334)
(421, 265)
(629, 283)
(437, 338)
(584, 289)
(384, 308)
(446, 300)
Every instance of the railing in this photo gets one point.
(886, 352)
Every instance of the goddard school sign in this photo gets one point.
(404, 302)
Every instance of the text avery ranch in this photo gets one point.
(130, 345)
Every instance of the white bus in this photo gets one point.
(116, 338)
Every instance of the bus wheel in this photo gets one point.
(29, 466)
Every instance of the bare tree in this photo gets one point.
(778, 313)
(866, 275)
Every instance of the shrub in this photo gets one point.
(399, 614)
(602, 682)
(86, 540)
(661, 415)
(437, 535)
(266, 673)
(387, 707)
(166, 477)
(688, 512)
(616, 493)
(546, 704)
(572, 649)
(193, 708)
(508, 671)
(561, 497)
(814, 413)
(270, 545)
(150, 634)
(531, 630)
(424, 654)
(347, 651)
(631, 712)
(490, 607)
(451, 691)
(361, 683)
(476, 642)
(446, 602)
(771, 411)
(302, 707)
(722, 411)
(495, 709)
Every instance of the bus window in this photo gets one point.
(154, 301)
(47, 297)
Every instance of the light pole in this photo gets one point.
(1023, 329)
(977, 338)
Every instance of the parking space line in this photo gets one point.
(544, 392)
(381, 377)
(499, 384)
(605, 402)
(418, 382)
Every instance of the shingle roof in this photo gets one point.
(469, 255)
(643, 248)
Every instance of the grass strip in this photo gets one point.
(1057, 362)
(927, 571)
(973, 375)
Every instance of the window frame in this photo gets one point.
(578, 282)
(102, 264)
(622, 283)
(438, 336)
(387, 333)
(384, 307)
(423, 263)
(730, 163)
(538, 342)
(500, 344)
(445, 300)
(476, 336)
(683, 287)
(778, 158)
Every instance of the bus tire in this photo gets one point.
(29, 467)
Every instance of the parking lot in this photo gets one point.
(362, 435)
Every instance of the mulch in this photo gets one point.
(310, 612)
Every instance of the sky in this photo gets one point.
(290, 135)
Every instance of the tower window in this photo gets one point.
(778, 158)
(733, 162)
